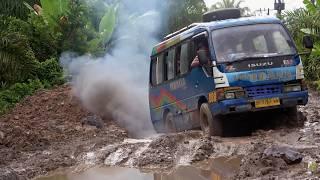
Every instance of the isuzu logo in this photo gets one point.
(260, 64)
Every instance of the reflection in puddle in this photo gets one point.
(217, 169)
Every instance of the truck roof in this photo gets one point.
(192, 29)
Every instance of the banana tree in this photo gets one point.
(65, 16)
(106, 28)
(53, 11)
(108, 23)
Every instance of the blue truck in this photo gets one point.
(227, 64)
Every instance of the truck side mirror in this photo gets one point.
(307, 42)
(203, 56)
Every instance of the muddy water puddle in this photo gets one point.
(213, 169)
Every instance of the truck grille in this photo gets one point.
(263, 90)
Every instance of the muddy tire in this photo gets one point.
(210, 124)
(292, 115)
(170, 126)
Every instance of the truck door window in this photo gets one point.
(160, 69)
(184, 59)
(154, 71)
(260, 44)
(281, 43)
(170, 65)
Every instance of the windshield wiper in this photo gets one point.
(256, 57)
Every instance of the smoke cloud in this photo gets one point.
(116, 86)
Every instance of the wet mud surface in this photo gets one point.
(50, 131)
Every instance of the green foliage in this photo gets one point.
(50, 72)
(312, 64)
(43, 42)
(182, 13)
(302, 21)
(29, 46)
(312, 68)
(11, 96)
(312, 8)
(76, 30)
(16, 8)
(108, 23)
(54, 11)
(17, 60)
(79, 33)
(306, 21)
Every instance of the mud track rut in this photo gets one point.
(45, 132)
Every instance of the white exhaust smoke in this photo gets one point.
(117, 84)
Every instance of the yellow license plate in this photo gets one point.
(267, 102)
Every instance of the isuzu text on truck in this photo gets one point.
(228, 64)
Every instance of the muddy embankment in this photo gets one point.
(50, 131)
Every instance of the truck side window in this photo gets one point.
(160, 69)
(177, 60)
(184, 59)
(154, 71)
(170, 64)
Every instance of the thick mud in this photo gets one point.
(50, 131)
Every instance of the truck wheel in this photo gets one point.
(210, 125)
(292, 115)
(170, 126)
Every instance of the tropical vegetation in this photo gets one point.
(34, 33)
(305, 21)
(182, 13)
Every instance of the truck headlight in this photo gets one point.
(292, 88)
(230, 95)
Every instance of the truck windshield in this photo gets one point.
(243, 42)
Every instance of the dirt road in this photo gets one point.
(51, 130)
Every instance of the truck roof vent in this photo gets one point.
(221, 14)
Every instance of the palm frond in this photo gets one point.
(230, 4)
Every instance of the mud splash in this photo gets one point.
(220, 168)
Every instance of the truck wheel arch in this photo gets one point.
(201, 100)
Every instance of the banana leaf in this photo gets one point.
(108, 23)
(54, 9)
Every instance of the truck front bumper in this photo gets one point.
(248, 104)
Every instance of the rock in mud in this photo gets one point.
(1, 135)
(255, 164)
(204, 151)
(93, 121)
(289, 155)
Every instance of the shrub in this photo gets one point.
(312, 64)
(11, 96)
(50, 72)
(43, 42)
(16, 8)
(17, 59)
